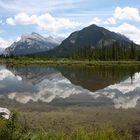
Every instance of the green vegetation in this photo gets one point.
(68, 61)
(116, 52)
(12, 130)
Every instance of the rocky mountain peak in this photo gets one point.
(31, 43)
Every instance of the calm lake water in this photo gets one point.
(65, 97)
(34, 86)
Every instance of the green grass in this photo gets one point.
(28, 60)
(104, 133)
(12, 130)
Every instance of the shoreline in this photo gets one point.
(66, 62)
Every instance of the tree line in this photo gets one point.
(115, 52)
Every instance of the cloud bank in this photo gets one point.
(44, 21)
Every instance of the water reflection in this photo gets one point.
(56, 86)
(6, 74)
(124, 94)
(46, 84)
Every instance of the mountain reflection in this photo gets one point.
(124, 94)
(46, 84)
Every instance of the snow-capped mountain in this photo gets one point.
(56, 39)
(31, 43)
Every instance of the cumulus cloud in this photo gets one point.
(123, 14)
(21, 18)
(55, 25)
(96, 20)
(5, 43)
(109, 21)
(129, 30)
(99, 21)
(127, 13)
(10, 21)
(44, 21)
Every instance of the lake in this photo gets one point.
(80, 95)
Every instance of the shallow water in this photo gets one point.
(63, 86)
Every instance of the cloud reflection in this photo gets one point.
(49, 89)
(4, 73)
(124, 94)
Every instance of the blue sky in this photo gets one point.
(61, 17)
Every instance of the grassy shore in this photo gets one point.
(12, 130)
(64, 61)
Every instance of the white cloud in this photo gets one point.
(44, 21)
(22, 18)
(10, 21)
(96, 20)
(5, 43)
(111, 21)
(128, 30)
(127, 13)
(54, 24)
(99, 21)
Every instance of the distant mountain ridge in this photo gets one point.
(92, 36)
(32, 43)
(91, 39)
